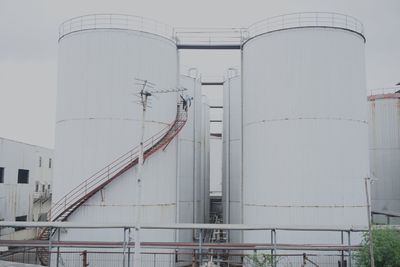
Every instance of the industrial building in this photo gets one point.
(135, 152)
(26, 173)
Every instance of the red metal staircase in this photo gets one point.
(63, 208)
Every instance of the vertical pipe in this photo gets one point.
(177, 186)
(58, 247)
(371, 245)
(273, 258)
(129, 248)
(200, 243)
(124, 250)
(241, 136)
(349, 244)
(49, 260)
(194, 186)
(272, 244)
(342, 242)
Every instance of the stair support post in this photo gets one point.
(50, 245)
(58, 247)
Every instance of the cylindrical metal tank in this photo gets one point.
(384, 140)
(189, 162)
(189, 152)
(99, 119)
(232, 146)
(305, 131)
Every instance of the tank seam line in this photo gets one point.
(108, 118)
(306, 206)
(309, 118)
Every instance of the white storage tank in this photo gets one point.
(189, 152)
(232, 146)
(384, 128)
(189, 155)
(305, 131)
(99, 119)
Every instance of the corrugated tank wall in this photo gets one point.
(384, 137)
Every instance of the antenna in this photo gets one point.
(148, 89)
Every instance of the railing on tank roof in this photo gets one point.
(306, 19)
(115, 21)
(209, 36)
(385, 90)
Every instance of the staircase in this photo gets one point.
(63, 208)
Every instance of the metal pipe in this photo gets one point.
(58, 248)
(129, 248)
(371, 245)
(68, 225)
(342, 242)
(124, 250)
(50, 239)
(200, 243)
(349, 245)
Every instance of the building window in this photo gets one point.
(23, 176)
(43, 188)
(40, 161)
(49, 163)
(37, 187)
(1, 175)
(48, 187)
(20, 219)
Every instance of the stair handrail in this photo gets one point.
(111, 169)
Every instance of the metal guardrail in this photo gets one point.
(210, 36)
(115, 21)
(382, 91)
(229, 38)
(306, 19)
(109, 172)
(201, 248)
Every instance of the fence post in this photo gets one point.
(129, 248)
(272, 249)
(124, 249)
(84, 259)
(342, 241)
(58, 247)
(200, 252)
(349, 244)
(50, 230)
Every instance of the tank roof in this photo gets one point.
(385, 93)
(307, 20)
(384, 96)
(115, 21)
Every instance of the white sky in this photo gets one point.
(28, 46)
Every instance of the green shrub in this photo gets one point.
(386, 244)
(260, 260)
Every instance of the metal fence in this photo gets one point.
(74, 258)
(334, 249)
(233, 36)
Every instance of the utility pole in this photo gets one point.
(144, 95)
(137, 255)
(371, 246)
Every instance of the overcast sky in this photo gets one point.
(29, 30)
